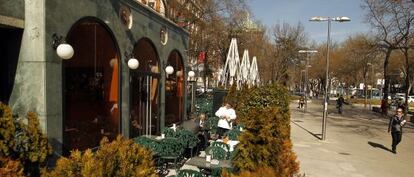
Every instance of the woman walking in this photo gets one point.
(395, 126)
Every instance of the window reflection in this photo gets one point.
(144, 91)
(174, 91)
(91, 87)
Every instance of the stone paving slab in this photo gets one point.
(357, 144)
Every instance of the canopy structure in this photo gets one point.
(244, 68)
(254, 78)
(240, 73)
(230, 70)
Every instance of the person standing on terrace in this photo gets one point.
(226, 114)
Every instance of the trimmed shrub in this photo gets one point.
(32, 145)
(261, 97)
(264, 112)
(204, 104)
(119, 158)
(10, 168)
(22, 141)
(266, 144)
(7, 131)
(258, 172)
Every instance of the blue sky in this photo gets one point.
(271, 12)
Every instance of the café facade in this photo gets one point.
(93, 68)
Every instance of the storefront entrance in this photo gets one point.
(91, 86)
(174, 90)
(144, 91)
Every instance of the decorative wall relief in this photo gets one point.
(126, 16)
(163, 35)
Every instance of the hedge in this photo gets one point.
(264, 111)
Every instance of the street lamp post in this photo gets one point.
(306, 75)
(191, 78)
(301, 82)
(325, 105)
(372, 85)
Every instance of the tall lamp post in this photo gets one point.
(301, 82)
(191, 79)
(306, 74)
(372, 81)
(325, 105)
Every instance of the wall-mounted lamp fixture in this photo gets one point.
(63, 50)
(169, 70)
(179, 73)
(191, 76)
(192, 79)
(133, 63)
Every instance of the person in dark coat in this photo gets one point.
(339, 103)
(395, 126)
(301, 102)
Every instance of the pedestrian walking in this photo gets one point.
(339, 103)
(395, 126)
(301, 102)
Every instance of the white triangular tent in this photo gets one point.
(254, 78)
(241, 73)
(244, 68)
(232, 64)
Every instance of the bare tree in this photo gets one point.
(353, 59)
(391, 20)
(288, 41)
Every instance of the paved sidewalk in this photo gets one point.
(357, 144)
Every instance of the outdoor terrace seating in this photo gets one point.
(188, 173)
(172, 149)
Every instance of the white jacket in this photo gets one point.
(223, 112)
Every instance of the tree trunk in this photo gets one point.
(384, 101)
(407, 82)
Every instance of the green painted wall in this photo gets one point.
(38, 85)
(13, 8)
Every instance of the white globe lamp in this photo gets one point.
(133, 63)
(191, 74)
(65, 51)
(169, 69)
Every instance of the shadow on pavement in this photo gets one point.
(318, 136)
(376, 145)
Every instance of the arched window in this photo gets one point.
(144, 90)
(91, 86)
(174, 90)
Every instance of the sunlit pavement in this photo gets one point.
(357, 144)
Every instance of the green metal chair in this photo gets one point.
(148, 143)
(155, 147)
(222, 145)
(187, 139)
(233, 134)
(171, 149)
(169, 132)
(216, 152)
(189, 173)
